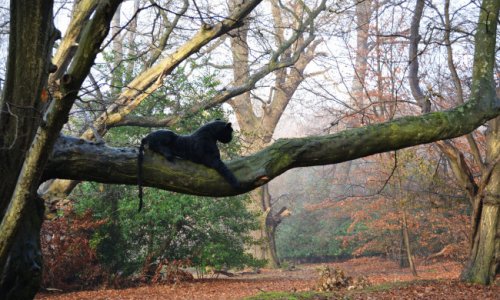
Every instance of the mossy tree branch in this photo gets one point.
(81, 160)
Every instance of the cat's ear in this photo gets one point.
(228, 124)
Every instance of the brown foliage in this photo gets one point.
(70, 262)
(165, 271)
(332, 279)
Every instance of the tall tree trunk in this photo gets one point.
(484, 256)
(23, 271)
(363, 12)
(271, 223)
(484, 259)
(117, 46)
(406, 239)
(270, 228)
(403, 259)
(257, 128)
(248, 123)
(21, 107)
(28, 142)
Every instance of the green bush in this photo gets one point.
(207, 231)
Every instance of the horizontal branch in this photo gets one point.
(81, 160)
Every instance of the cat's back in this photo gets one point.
(162, 134)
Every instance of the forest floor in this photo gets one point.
(437, 280)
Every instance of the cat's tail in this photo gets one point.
(140, 159)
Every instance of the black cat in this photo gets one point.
(199, 147)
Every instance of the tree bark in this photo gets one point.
(406, 239)
(403, 259)
(483, 261)
(270, 223)
(258, 129)
(20, 105)
(484, 258)
(30, 41)
(35, 18)
(23, 271)
(413, 78)
(363, 12)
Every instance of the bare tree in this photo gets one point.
(482, 266)
(258, 122)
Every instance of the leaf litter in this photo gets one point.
(436, 280)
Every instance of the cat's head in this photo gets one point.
(223, 131)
